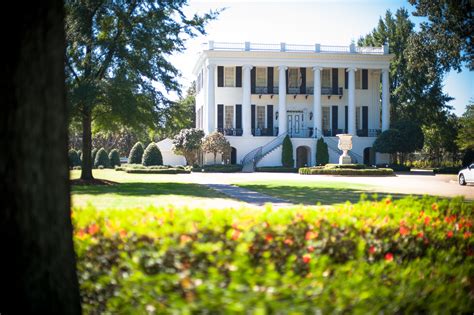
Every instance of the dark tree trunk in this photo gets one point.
(86, 169)
(37, 267)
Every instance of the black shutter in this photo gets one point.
(238, 76)
(303, 81)
(220, 76)
(346, 79)
(365, 120)
(220, 117)
(286, 81)
(335, 81)
(253, 78)
(365, 79)
(334, 120)
(346, 115)
(270, 120)
(238, 116)
(252, 117)
(270, 80)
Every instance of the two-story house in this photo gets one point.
(256, 94)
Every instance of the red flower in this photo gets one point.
(388, 201)
(311, 235)
(306, 258)
(388, 257)
(94, 228)
(288, 241)
(434, 206)
(123, 233)
(449, 234)
(268, 237)
(427, 220)
(420, 235)
(310, 248)
(404, 230)
(467, 234)
(235, 235)
(80, 233)
(372, 250)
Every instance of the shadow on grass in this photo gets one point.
(147, 189)
(308, 195)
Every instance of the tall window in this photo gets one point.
(229, 76)
(229, 117)
(326, 118)
(358, 79)
(261, 77)
(358, 118)
(261, 117)
(276, 77)
(326, 78)
(293, 77)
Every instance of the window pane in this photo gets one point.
(357, 118)
(276, 76)
(326, 118)
(261, 117)
(293, 77)
(229, 76)
(229, 117)
(261, 77)
(358, 80)
(326, 78)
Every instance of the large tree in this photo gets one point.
(116, 52)
(37, 266)
(465, 138)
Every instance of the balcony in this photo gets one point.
(297, 90)
(230, 131)
(265, 132)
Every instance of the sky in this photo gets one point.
(335, 22)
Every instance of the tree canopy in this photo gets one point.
(215, 143)
(188, 143)
(465, 138)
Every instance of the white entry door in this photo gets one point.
(295, 124)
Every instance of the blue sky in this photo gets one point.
(327, 22)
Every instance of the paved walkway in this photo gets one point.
(248, 196)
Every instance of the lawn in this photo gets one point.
(145, 190)
(312, 193)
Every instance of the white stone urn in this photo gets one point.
(345, 144)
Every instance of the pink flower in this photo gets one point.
(372, 250)
(389, 257)
(306, 258)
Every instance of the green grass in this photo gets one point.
(311, 193)
(142, 191)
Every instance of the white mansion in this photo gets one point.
(256, 94)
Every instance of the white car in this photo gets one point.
(466, 175)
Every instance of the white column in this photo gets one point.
(282, 127)
(385, 100)
(351, 124)
(211, 99)
(246, 100)
(317, 110)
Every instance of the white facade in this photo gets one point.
(169, 157)
(254, 92)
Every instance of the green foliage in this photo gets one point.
(411, 135)
(322, 153)
(218, 168)
(447, 170)
(404, 256)
(468, 157)
(114, 158)
(395, 167)
(465, 138)
(276, 169)
(152, 155)
(136, 154)
(318, 170)
(102, 159)
(388, 141)
(188, 143)
(287, 153)
(215, 143)
(440, 142)
(74, 159)
(346, 166)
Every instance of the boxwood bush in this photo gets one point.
(114, 158)
(102, 158)
(346, 172)
(379, 257)
(136, 154)
(276, 169)
(74, 159)
(218, 168)
(152, 155)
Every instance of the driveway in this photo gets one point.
(409, 183)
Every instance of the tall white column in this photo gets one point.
(282, 123)
(385, 100)
(246, 100)
(211, 99)
(351, 124)
(317, 110)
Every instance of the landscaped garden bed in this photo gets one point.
(276, 169)
(159, 169)
(217, 168)
(404, 256)
(346, 169)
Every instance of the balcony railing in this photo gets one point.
(368, 132)
(230, 131)
(283, 47)
(297, 90)
(265, 132)
(306, 132)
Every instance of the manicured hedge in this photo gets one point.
(395, 167)
(346, 172)
(157, 171)
(136, 154)
(347, 166)
(447, 170)
(114, 158)
(102, 159)
(152, 155)
(409, 256)
(74, 159)
(276, 169)
(218, 168)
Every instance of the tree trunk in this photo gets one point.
(215, 157)
(37, 268)
(86, 169)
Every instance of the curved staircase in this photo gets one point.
(251, 159)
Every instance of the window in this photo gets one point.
(358, 118)
(261, 77)
(229, 117)
(326, 117)
(276, 77)
(260, 117)
(293, 78)
(326, 78)
(358, 79)
(229, 76)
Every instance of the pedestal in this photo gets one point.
(345, 159)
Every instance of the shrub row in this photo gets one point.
(218, 168)
(346, 166)
(100, 158)
(447, 170)
(347, 172)
(276, 169)
(171, 170)
(395, 167)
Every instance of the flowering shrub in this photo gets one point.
(404, 256)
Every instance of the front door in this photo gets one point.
(295, 124)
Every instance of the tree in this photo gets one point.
(450, 29)
(287, 153)
(215, 143)
(114, 158)
(152, 155)
(115, 51)
(37, 269)
(411, 136)
(322, 153)
(465, 138)
(188, 143)
(388, 141)
(136, 154)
